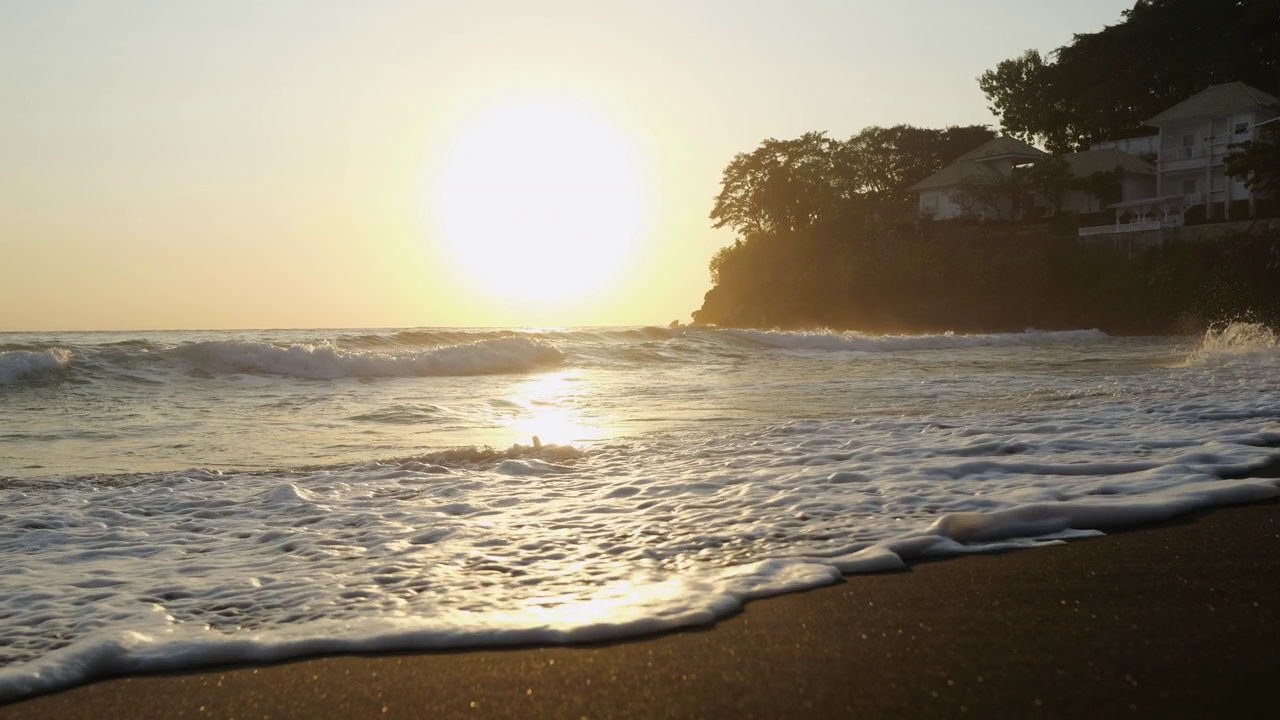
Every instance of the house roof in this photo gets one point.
(1216, 100)
(1003, 146)
(1176, 199)
(1086, 163)
(953, 174)
(971, 164)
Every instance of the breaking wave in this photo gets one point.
(471, 352)
(18, 366)
(326, 361)
(1237, 342)
(856, 342)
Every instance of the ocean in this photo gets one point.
(171, 500)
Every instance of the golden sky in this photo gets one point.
(281, 163)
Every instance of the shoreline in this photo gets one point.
(1176, 618)
(1188, 330)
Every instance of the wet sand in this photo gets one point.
(1176, 620)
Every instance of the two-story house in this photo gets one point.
(1195, 136)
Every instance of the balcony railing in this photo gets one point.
(1182, 153)
(1143, 226)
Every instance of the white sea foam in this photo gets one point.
(738, 472)
(1237, 342)
(19, 365)
(200, 567)
(326, 361)
(857, 342)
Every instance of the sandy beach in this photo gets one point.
(1174, 620)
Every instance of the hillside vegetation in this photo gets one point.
(827, 234)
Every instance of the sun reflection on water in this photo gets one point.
(552, 407)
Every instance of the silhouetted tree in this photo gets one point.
(1107, 186)
(822, 237)
(782, 185)
(1051, 178)
(789, 186)
(1106, 84)
(1258, 162)
(1018, 96)
(886, 161)
(994, 196)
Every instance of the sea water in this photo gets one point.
(171, 500)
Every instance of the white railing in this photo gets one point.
(1182, 153)
(1120, 228)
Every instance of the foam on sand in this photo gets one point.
(543, 544)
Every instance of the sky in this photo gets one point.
(281, 163)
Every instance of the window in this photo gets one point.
(1242, 128)
(1189, 186)
(929, 205)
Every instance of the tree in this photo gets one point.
(790, 186)
(1051, 178)
(1106, 84)
(1258, 162)
(782, 185)
(1106, 185)
(887, 161)
(990, 196)
(957, 140)
(1017, 93)
(883, 162)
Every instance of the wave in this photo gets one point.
(378, 598)
(327, 362)
(17, 366)
(1236, 342)
(464, 352)
(857, 342)
(441, 337)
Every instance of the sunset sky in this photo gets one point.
(281, 163)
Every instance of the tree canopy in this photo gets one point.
(789, 186)
(782, 185)
(1258, 162)
(1105, 85)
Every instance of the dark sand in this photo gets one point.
(1178, 620)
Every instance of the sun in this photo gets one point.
(540, 201)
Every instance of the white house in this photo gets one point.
(1194, 137)
(1196, 134)
(1144, 147)
(1137, 178)
(941, 196)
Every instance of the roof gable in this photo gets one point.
(1216, 100)
(953, 174)
(971, 164)
(1085, 163)
(1003, 146)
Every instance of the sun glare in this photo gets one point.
(540, 201)
(547, 408)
